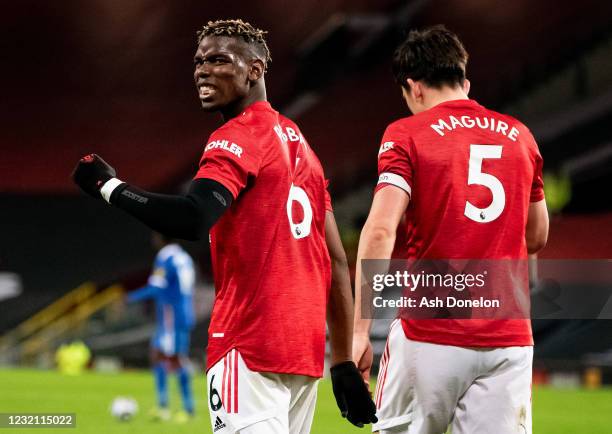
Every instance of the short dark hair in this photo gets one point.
(434, 55)
(239, 29)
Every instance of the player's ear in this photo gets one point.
(416, 92)
(466, 86)
(257, 69)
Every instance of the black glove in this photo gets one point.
(91, 173)
(352, 395)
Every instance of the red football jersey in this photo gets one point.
(471, 174)
(270, 261)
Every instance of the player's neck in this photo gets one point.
(443, 95)
(258, 93)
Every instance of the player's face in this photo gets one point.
(221, 72)
(157, 241)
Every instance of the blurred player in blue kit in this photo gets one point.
(171, 286)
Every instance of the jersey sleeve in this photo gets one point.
(395, 162)
(230, 158)
(537, 184)
(328, 202)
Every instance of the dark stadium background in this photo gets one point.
(115, 77)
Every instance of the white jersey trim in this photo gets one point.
(393, 179)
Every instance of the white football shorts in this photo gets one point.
(247, 402)
(424, 388)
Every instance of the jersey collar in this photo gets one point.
(258, 105)
(458, 103)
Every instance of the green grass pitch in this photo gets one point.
(89, 396)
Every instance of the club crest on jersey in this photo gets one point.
(226, 146)
(385, 147)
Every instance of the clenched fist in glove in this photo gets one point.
(352, 395)
(91, 173)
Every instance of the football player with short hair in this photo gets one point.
(458, 181)
(260, 195)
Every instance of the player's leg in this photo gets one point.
(161, 383)
(160, 375)
(498, 401)
(400, 429)
(303, 402)
(183, 371)
(419, 384)
(272, 425)
(244, 401)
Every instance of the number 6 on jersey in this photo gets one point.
(476, 176)
(301, 229)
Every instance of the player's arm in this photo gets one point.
(376, 242)
(536, 233)
(157, 283)
(145, 293)
(351, 395)
(186, 217)
(340, 304)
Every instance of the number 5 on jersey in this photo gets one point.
(477, 176)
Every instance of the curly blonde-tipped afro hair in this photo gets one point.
(239, 29)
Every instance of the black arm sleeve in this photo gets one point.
(187, 217)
